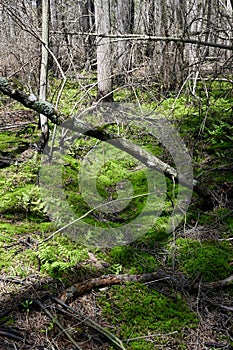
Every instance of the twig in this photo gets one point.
(217, 284)
(216, 346)
(150, 336)
(229, 308)
(90, 323)
(224, 239)
(143, 37)
(11, 334)
(57, 323)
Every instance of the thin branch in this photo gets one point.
(143, 37)
(81, 288)
(90, 323)
(16, 126)
(150, 336)
(45, 310)
(217, 284)
(11, 334)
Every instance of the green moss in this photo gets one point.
(24, 228)
(136, 310)
(131, 260)
(17, 258)
(12, 144)
(210, 260)
(23, 200)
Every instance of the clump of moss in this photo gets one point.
(18, 246)
(25, 201)
(210, 260)
(131, 260)
(136, 310)
(24, 228)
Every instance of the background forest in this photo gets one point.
(111, 69)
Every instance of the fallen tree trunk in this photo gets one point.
(74, 123)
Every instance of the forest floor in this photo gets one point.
(185, 303)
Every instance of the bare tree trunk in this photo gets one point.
(88, 24)
(125, 18)
(104, 54)
(44, 69)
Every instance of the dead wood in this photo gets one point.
(81, 288)
(53, 319)
(152, 162)
(215, 285)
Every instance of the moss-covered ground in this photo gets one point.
(160, 314)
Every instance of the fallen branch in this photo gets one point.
(217, 284)
(74, 123)
(48, 110)
(30, 101)
(11, 333)
(81, 288)
(145, 37)
(53, 319)
(90, 323)
(150, 336)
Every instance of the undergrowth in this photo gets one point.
(134, 310)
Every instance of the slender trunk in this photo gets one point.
(104, 67)
(44, 69)
(125, 15)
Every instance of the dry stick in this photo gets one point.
(157, 38)
(80, 288)
(218, 284)
(11, 334)
(150, 336)
(225, 239)
(16, 126)
(57, 323)
(98, 328)
(90, 323)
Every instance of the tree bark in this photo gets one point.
(125, 14)
(44, 70)
(103, 52)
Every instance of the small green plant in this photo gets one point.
(131, 260)
(50, 326)
(31, 201)
(27, 305)
(116, 268)
(58, 258)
